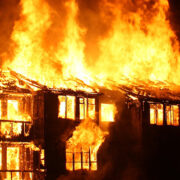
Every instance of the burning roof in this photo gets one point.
(76, 45)
(11, 81)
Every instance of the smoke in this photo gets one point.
(175, 16)
(120, 155)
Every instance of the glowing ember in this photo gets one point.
(11, 124)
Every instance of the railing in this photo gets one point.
(21, 175)
(11, 131)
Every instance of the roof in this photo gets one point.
(152, 91)
(11, 81)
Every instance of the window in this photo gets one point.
(82, 108)
(107, 112)
(16, 161)
(91, 108)
(13, 161)
(12, 110)
(156, 114)
(86, 108)
(66, 107)
(42, 160)
(172, 115)
(82, 159)
(13, 122)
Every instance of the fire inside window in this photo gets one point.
(171, 114)
(42, 160)
(16, 162)
(156, 114)
(107, 112)
(66, 107)
(86, 108)
(12, 121)
(81, 159)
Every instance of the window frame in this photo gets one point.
(86, 103)
(164, 122)
(66, 113)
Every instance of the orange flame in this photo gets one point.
(83, 145)
(139, 44)
(108, 112)
(13, 114)
(13, 161)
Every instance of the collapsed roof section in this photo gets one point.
(150, 90)
(11, 81)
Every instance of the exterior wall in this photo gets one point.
(161, 147)
(121, 152)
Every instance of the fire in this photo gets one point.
(171, 113)
(156, 114)
(139, 44)
(82, 147)
(108, 112)
(66, 107)
(28, 35)
(13, 161)
(9, 128)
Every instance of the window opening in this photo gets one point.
(82, 108)
(156, 114)
(66, 107)
(107, 112)
(91, 108)
(86, 108)
(13, 122)
(13, 161)
(172, 115)
(81, 159)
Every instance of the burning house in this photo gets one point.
(21, 146)
(48, 133)
(91, 90)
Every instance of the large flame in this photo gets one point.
(138, 43)
(141, 44)
(48, 67)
